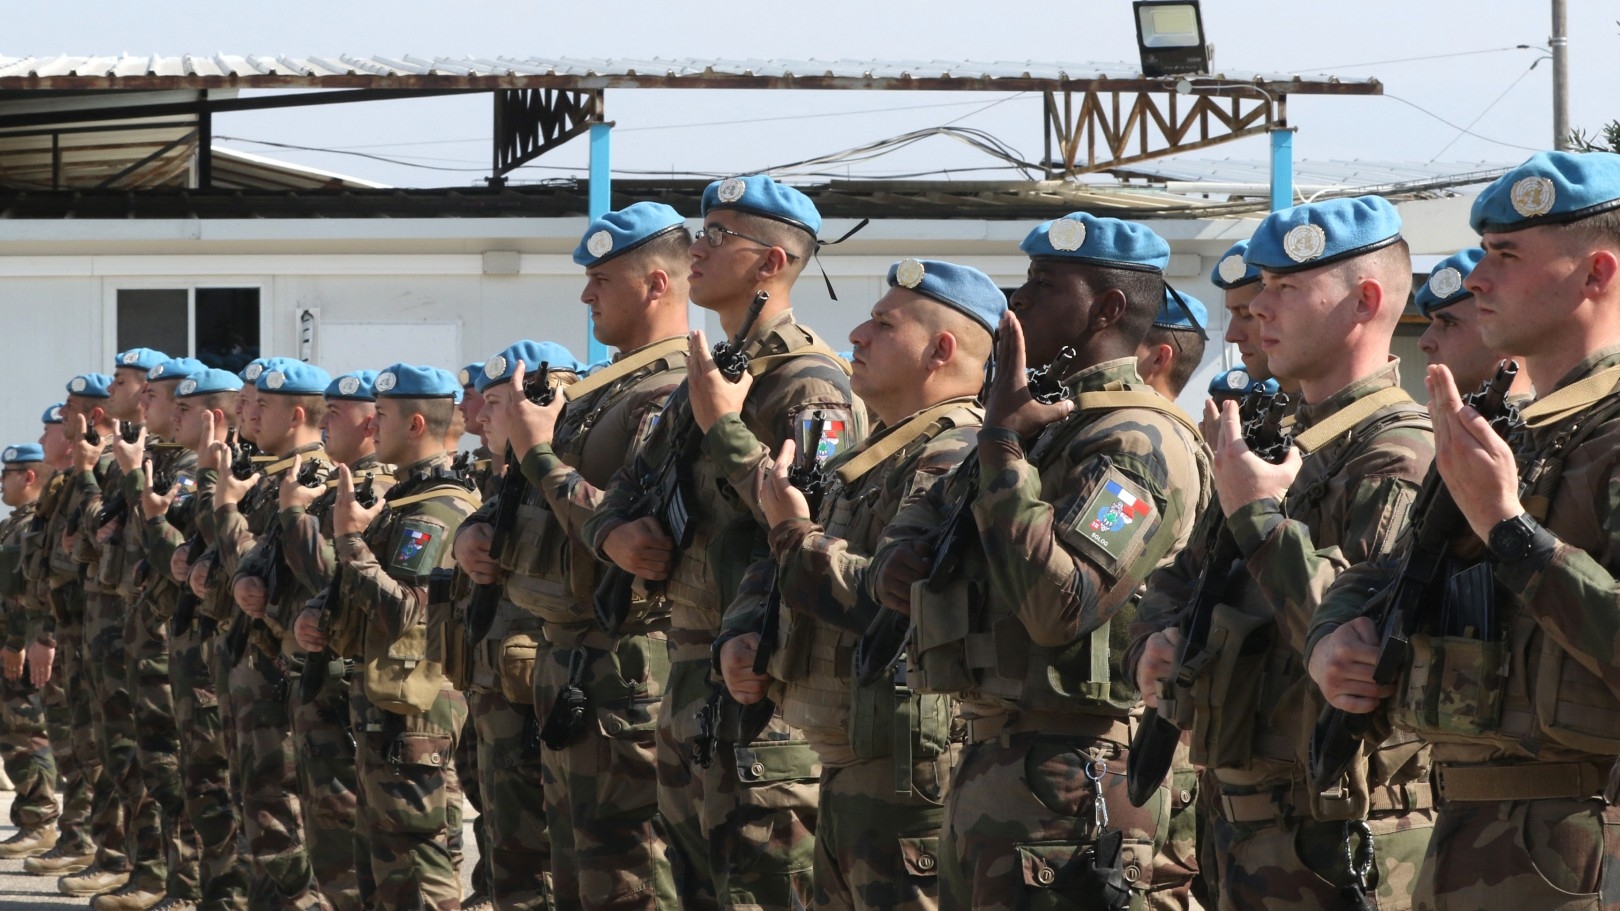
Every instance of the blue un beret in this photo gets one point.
(1551, 188)
(500, 367)
(617, 233)
(142, 359)
(1445, 284)
(1238, 382)
(468, 375)
(1106, 242)
(23, 452)
(90, 385)
(255, 368)
(176, 368)
(359, 386)
(1186, 313)
(1319, 233)
(408, 381)
(1231, 271)
(290, 377)
(208, 382)
(53, 414)
(758, 194)
(962, 288)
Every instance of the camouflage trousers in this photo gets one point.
(608, 841)
(877, 848)
(519, 861)
(1177, 878)
(112, 719)
(471, 788)
(328, 784)
(271, 813)
(206, 771)
(742, 829)
(1300, 863)
(25, 748)
(1560, 854)
(67, 701)
(164, 847)
(410, 800)
(1022, 820)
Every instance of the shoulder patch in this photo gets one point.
(416, 547)
(1112, 523)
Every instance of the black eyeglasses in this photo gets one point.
(716, 235)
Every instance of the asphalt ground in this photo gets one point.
(21, 892)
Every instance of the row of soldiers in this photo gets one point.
(974, 618)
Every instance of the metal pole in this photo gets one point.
(601, 201)
(1282, 168)
(1560, 64)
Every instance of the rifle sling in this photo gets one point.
(1557, 405)
(277, 466)
(1345, 419)
(901, 437)
(1134, 398)
(623, 367)
(447, 490)
(765, 363)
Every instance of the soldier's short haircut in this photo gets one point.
(218, 401)
(1392, 266)
(1602, 228)
(1189, 352)
(670, 251)
(778, 234)
(1144, 294)
(314, 408)
(436, 414)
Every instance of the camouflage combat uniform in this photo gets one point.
(886, 752)
(410, 799)
(741, 828)
(601, 787)
(1271, 840)
(1522, 719)
(25, 746)
(1030, 631)
(259, 687)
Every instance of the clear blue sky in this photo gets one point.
(1462, 73)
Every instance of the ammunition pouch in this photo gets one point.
(940, 626)
(1226, 687)
(1453, 684)
(442, 603)
(887, 719)
(398, 675)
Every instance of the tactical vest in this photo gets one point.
(966, 640)
(549, 574)
(693, 583)
(815, 659)
(1516, 688)
(1243, 708)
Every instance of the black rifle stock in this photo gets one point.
(1437, 522)
(185, 608)
(318, 665)
(1154, 746)
(486, 597)
(808, 479)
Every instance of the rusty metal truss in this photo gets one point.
(1098, 128)
(532, 122)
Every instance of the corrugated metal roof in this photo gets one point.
(346, 70)
(1310, 176)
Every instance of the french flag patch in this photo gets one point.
(411, 544)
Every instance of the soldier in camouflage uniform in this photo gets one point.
(285, 416)
(1174, 345)
(203, 401)
(1075, 502)
(1453, 336)
(500, 687)
(1520, 705)
(164, 847)
(1336, 280)
(406, 715)
(104, 721)
(886, 753)
(741, 813)
(52, 655)
(601, 787)
(25, 746)
(471, 406)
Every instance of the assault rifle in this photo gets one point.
(805, 474)
(185, 609)
(242, 453)
(1153, 749)
(1436, 522)
(316, 666)
(665, 489)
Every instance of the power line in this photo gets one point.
(1511, 86)
(1347, 66)
(1511, 145)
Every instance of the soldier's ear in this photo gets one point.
(944, 349)
(657, 283)
(418, 424)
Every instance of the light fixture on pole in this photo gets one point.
(1170, 37)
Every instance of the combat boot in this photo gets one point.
(93, 881)
(30, 842)
(176, 904)
(129, 898)
(58, 862)
(478, 901)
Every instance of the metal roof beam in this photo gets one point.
(219, 106)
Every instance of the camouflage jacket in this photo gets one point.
(38, 547)
(723, 466)
(241, 538)
(1350, 501)
(1553, 689)
(1067, 535)
(148, 547)
(84, 506)
(14, 588)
